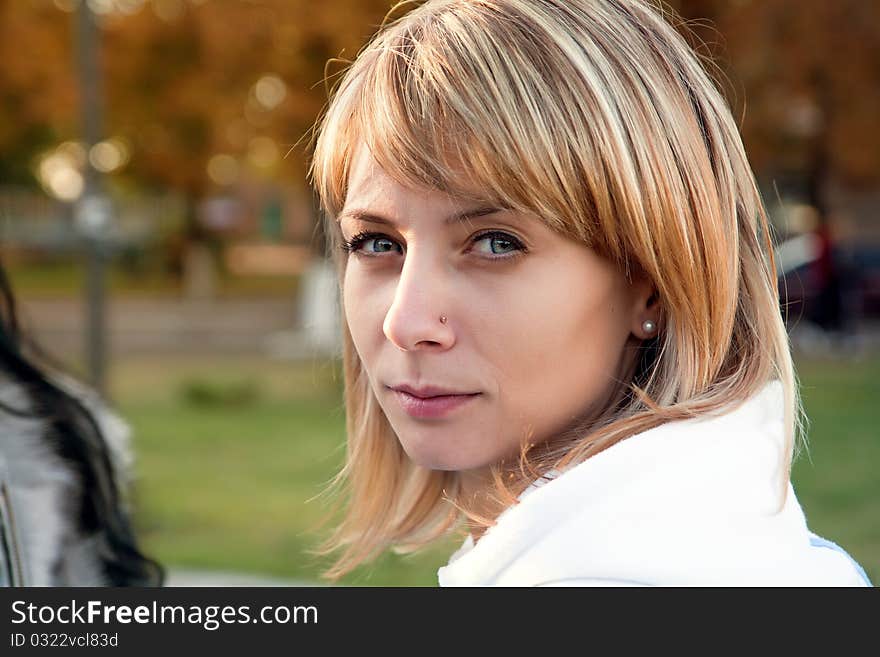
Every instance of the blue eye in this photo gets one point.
(382, 243)
(501, 241)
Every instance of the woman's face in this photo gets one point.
(537, 327)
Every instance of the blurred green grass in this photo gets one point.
(232, 487)
(836, 479)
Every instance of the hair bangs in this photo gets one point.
(416, 127)
(444, 105)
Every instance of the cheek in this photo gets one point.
(548, 319)
(559, 356)
(362, 311)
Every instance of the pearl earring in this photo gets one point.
(648, 326)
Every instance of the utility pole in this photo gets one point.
(92, 211)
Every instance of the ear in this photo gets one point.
(645, 307)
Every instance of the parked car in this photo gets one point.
(837, 298)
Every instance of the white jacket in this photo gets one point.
(688, 503)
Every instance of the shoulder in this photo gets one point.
(115, 431)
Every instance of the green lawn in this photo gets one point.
(231, 453)
(837, 481)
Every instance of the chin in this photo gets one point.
(433, 459)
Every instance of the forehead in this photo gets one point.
(365, 175)
(369, 185)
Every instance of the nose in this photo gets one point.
(413, 320)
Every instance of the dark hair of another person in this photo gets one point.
(75, 435)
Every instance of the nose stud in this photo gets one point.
(442, 319)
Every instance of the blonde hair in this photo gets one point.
(596, 116)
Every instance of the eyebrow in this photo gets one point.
(366, 215)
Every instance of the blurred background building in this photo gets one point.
(168, 141)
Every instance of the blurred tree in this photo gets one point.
(37, 93)
(807, 76)
(213, 91)
(206, 91)
(186, 82)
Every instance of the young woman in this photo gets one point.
(63, 518)
(561, 316)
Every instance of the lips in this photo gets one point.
(434, 406)
(429, 392)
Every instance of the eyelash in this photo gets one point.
(352, 245)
